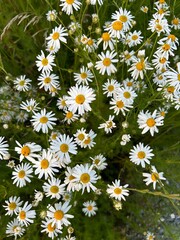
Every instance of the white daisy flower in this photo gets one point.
(51, 230)
(71, 186)
(153, 177)
(26, 215)
(93, 2)
(3, 147)
(12, 205)
(108, 125)
(127, 56)
(54, 188)
(107, 41)
(22, 174)
(63, 146)
(29, 105)
(99, 162)
(43, 121)
(86, 176)
(51, 15)
(111, 87)
(79, 99)
(89, 141)
(58, 35)
(127, 95)
(68, 6)
(61, 103)
(176, 100)
(89, 208)
(80, 136)
(22, 83)
(175, 23)
(159, 25)
(48, 80)
(70, 117)
(84, 77)
(15, 229)
(105, 65)
(149, 122)
(115, 29)
(90, 45)
(38, 196)
(141, 154)
(170, 39)
(45, 63)
(119, 105)
(150, 236)
(117, 191)
(58, 214)
(165, 50)
(46, 165)
(28, 150)
(173, 77)
(134, 38)
(160, 62)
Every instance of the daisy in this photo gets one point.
(170, 39)
(38, 196)
(105, 65)
(62, 147)
(45, 63)
(173, 77)
(89, 141)
(134, 38)
(108, 125)
(160, 62)
(3, 147)
(144, 9)
(27, 150)
(127, 95)
(168, 91)
(69, 5)
(26, 215)
(70, 117)
(12, 205)
(90, 45)
(149, 122)
(22, 83)
(119, 105)
(15, 229)
(86, 176)
(159, 78)
(128, 83)
(125, 17)
(58, 35)
(47, 80)
(93, 2)
(21, 117)
(125, 139)
(51, 230)
(141, 154)
(153, 177)
(159, 25)
(89, 208)
(176, 100)
(99, 162)
(22, 174)
(61, 103)
(107, 41)
(51, 15)
(29, 105)
(84, 77)
(111, 87)
(58, 214)
(71, 185)
(80, 136)
(139, 67)
(115, 29)
(43, 121)
(150, 236)
(46, 165)
(79, 99)
(165, 50)
(175, 23)
(117, 191)
(54, 188)
(127, 56)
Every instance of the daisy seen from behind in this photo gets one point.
(141, 154)
(25, 215)
(89, 208)
(43, 121)
(153, 177)
(117, 191)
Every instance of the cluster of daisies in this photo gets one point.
(61, 176)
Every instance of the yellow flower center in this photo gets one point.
(134, 37)
(107, 62)
(178, 77)
(110, 88)
(71, 177)
(160, 77)
(21, 83)
(117, 25)
(127, 94)
(162, 60)
(170, 89)
(12, 205)
(123, 18)
(140, 66)
(54, 136)
(52, 17)
(161, 11)
(63, 103)
(81, 136)
(64, 148)
(120, 104)
(175, 21)
(90, 42)
(80, 99)
(117, 191)
(109, 124)
(21, 174)
(129, 84)
(85, 178)
(25, 151)
(154, 176)
(43, 120)
(44, 61)
(44, 163)
(106, 36)
(58, 215)
(89, 208)
(83, 75)
(69, 115)
(54, 189)
(141, 154)
(128, 56)
(47, 80)
(166, 47)
(22, 215)
(162, 113)
(96, 161)
(55, 36)
(150, 237)
(50, 227)
(150, 122)
(87, 141)
(158, 27)
(161, 1)
(172, 37)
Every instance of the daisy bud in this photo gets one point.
(70, 230)
(5, 126)
(95, 18)
(98, 31)
(43, 214)
(125, 124)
